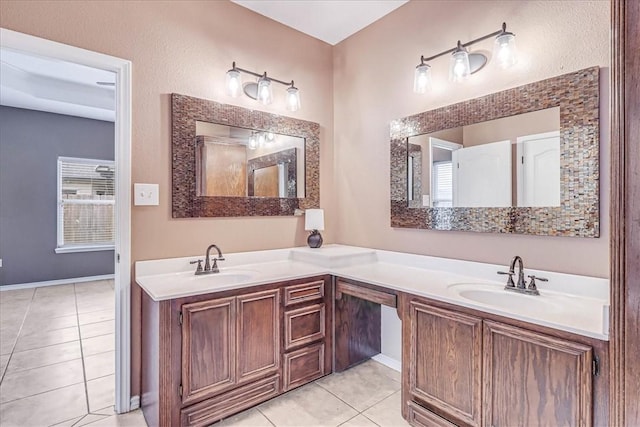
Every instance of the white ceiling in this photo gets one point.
(328, 20)
(52, 85)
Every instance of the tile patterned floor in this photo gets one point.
(57, 357)
(367, 395)
(57, 369)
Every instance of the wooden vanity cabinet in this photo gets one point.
(466, 370)
(207, 357)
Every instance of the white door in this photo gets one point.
(539, 169)
(482, 175)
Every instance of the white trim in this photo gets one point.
(84, 248)
(122, 68)
(56, 282)
(135, 403)
(388, 361)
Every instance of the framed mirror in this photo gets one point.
(525, 160)
(232, 161)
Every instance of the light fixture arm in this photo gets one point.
(264, 75)
(464, 45)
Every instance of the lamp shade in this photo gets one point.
(504, 49)
(293, 99)
(234, 83)
(422, 78)
(459, 69)
(314, 219)
(265, 94)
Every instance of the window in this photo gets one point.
(442, 184)
(86, 205)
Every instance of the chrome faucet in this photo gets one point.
(521, 285)
(208, 268)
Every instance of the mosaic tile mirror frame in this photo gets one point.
(577, 95)
(186, 203)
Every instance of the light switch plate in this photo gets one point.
(146, 194)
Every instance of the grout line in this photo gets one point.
(42, 366)
(39, 393)
(72, 418)
(84, 370)
(370, 419)
(13, 347)
(264, 415)
(337, 397)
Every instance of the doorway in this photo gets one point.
(122, 258)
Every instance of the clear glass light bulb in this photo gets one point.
(252, 142)
(293, 99)
(234, 83)
(505, 50)
(422, 78)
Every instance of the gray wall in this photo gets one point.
(30, 143)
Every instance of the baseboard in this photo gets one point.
(135, 403)
(56, 282)
(387, 361)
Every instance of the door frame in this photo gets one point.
(122, 68)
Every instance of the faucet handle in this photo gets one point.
(199, 268)
(510, 283)
(532, 288)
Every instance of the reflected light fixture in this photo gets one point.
(261, 91)
(463, 64)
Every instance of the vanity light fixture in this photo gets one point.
(262, 90)
(259, 139)
(463, 63)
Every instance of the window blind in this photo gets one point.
(86, 201)
(443, 184)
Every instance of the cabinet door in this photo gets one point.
(258, 334)
(445, 362)
(303, 326)
(208, 348)
(535, 379)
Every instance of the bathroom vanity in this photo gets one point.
(216, 345)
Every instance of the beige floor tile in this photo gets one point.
(13, 315)
(359, 421)
(97, 286)
(98, 344)
(90, 419)
(310, 405)
(362, 386)
(249, 418)
(4, 359)
(68, 423)
(101, 393)
(16, 296)
(100, 365)
(53, 308)
(28, 359)
(45, 409)
(54, 291)
(130, 419)
(46, 338)
(8, 337)
(96, 316)
(96, 305)
(97, 329)
(20, 384)
(38, 323)
(387, 413)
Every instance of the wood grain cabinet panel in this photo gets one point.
(535, 379)
(302, 366)
(258, 334)
(305, 292)
(420, 417)
(208, 348)
(304, 326)
(445, 362)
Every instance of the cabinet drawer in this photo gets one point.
(421, 417)
(302, 366)
(214, 409)
(304, 326)
(304, 292)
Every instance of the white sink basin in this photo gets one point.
(497, 296)
(188, 280)
(222, 278)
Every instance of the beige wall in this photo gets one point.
(186, 47)
(373, 72)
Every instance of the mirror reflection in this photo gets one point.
(239, 162)
(512, 161)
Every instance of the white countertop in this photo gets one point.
(572, 303)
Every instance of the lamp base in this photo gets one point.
(315, 239)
